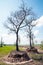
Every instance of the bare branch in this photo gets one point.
(23, 26)
(12, 21)
(11, 29)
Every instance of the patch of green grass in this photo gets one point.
(5, 50)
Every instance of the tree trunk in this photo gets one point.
(1, 43)
(17, 42)
(30, 41)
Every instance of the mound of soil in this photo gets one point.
(17, 56)
(33, 49)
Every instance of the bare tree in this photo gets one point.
(16, 21)
(29, 28)
(1, 43)
(32, 38)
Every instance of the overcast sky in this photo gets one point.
(7, 6)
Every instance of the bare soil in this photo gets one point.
(30, 62)
(20, 58)
(17, 56)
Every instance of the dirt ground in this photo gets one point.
(26, 63)
(31, 62)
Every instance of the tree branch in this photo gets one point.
(9, 28)
(11, 21)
